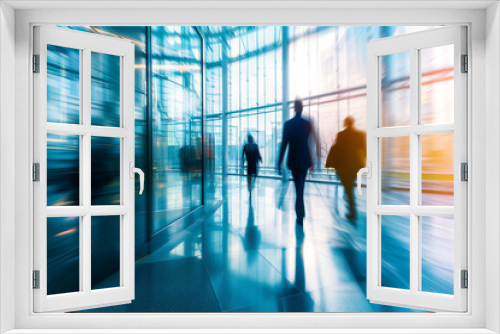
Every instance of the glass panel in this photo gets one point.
(177, 130)
(63, 85)
(395, 252)
(395, 170)
(395, 89)
(105, 171)
(63, 170)
(63, 255)
(105, 89)
(105, 245)
(437, 254)
(437, 90)
(437, 169)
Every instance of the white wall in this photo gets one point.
(477, 124)
(7, 162)
(492, 166)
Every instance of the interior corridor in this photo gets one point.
(200, 244)
(251, 256)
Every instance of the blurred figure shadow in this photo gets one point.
(305, 303)
(252, 233)
(281, 194)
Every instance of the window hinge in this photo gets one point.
(465, 279)
(464, 167)
(36, 172)
(36, 279)
(36, 63)
(465, 64)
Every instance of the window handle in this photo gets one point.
(139, 171)
(368, 170)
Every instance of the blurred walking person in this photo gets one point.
(296, 133)
(348, 156)
(251, 151)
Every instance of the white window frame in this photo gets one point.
(85, 43)
(414, 296)
(475, 320)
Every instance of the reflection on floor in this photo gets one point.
(251, 256)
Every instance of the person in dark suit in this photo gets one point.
(348, 156)
(251, 151)
(296, 134)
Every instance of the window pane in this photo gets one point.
(395, 252)
(63, 170)
(63, 255)
(63, 85)
(437, 254)
(437, 169)
(105, 261)
(395, 170)
(105, 89)
(437, 90)
(105, 171)
(395, 89)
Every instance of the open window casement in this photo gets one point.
(416, 236)
(72, 231)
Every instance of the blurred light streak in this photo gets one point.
(72, 230)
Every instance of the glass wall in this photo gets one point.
(245, 62)
(326, 68)
(176, 123)
(212, 162)
(168, 120)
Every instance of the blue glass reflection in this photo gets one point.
(63, 85)
(105, 246)
(105, 171)
(395, 266)
(437, 266)
(105, 88)
(63, 166)
(63, 255)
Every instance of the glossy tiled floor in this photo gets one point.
(251, 256)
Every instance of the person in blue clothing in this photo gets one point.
(296, 133)
(251, 151)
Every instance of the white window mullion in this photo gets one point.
(87, 171)
(393, 131)
(402, 210)
(67, 129)
(81, 131)
(397, 210)
(109, 210)
(442, 211)
(104, 131)
(430, 129)
(414, 171)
